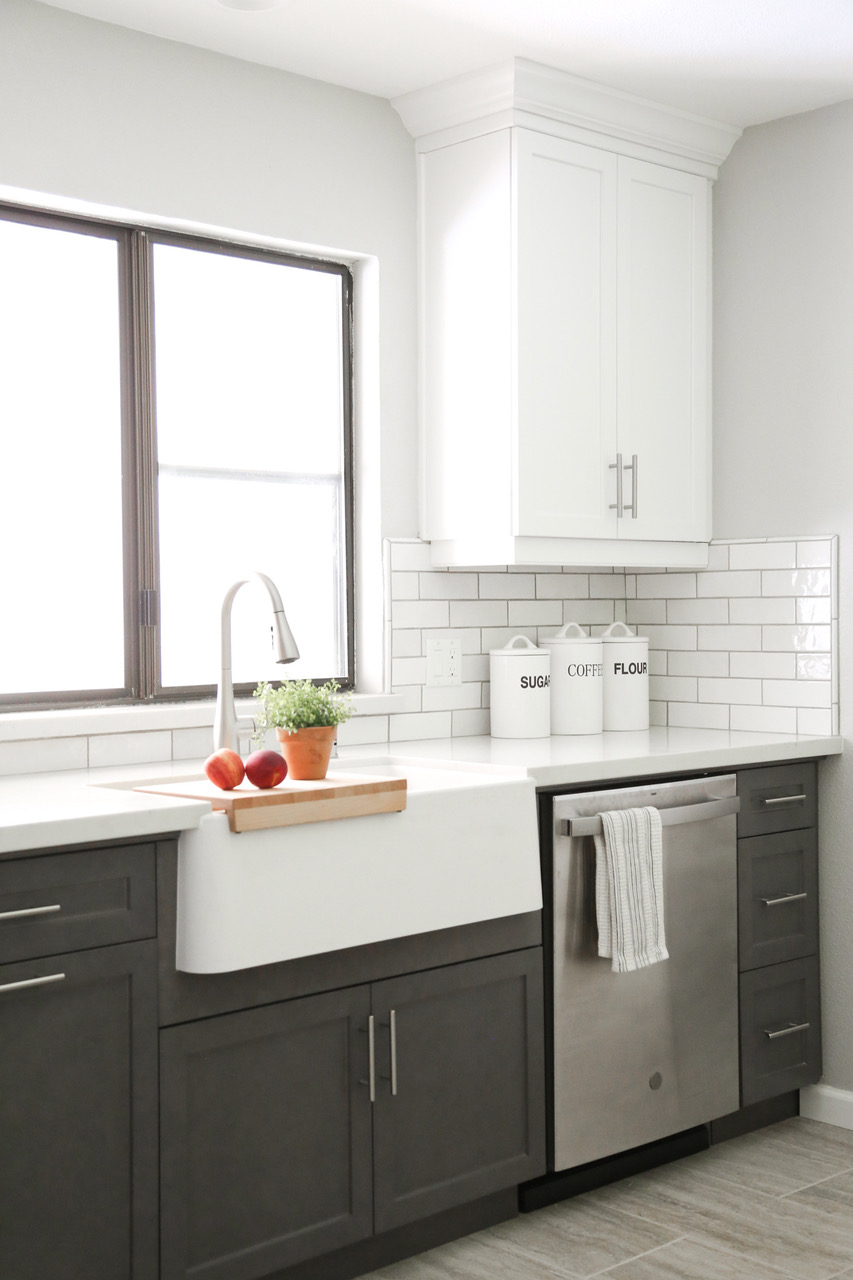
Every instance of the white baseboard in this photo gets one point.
(823, 1102)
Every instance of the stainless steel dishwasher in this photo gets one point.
(639, 1056)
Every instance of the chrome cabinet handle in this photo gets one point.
(788, 1031)
(788, 897)
(30, 911)
(632, 505)
(800, 799)
(393, 1053)
(32, 982)
(371, 1058)
(617, 467)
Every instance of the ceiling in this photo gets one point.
(738, 61)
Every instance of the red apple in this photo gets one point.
(225, 769)
(266, 769)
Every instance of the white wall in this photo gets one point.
(783, 422)
(101, 114)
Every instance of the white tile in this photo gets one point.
(452, 698)
(497, 637)
(410, 555)
(797, 639)
(404, 586)
(704, 611)
(814, 666)
(42, 755)
(607, 586)
(405, 644)
(763, 666)
(408, 670)
(129, 748)
(797, 693)
(796, 582)
(732, 691)
(420, 613)
(470, 637)
(813, 609)
(763, 609)
(734, 583)
(810, 720)
(630, 586)
(536, 613)
(729, 638)
(666, 586)
(362, 730)
(507, 586)
(763, 555)
(478, 613)
(411, 695)
(695, 663)
(764, 719)
(427, 724)
(475, 666)
(814, 554)
(673, 688)
(718, 557)
(562, 586)
(620, 612)
(470, 724)
(657, 713)
(669, 637)
(448, 586)
(653, 611)
(487, 694)
(695, 715)
(589, 612)
(834, 652)
(657, 662)
(192, 744)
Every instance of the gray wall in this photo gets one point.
(783, 425)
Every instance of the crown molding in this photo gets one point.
(527, 89)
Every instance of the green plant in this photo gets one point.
(299, 704)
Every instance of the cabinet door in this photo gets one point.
(780, 1037)
(265, 1137)
(663, 351)
(565, 280)
(78, 1115)
(459, 1108)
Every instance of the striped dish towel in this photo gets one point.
(629, 889)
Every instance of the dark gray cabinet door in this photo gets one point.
(779, 1029)
(265, 1137)
(78, 1116)
(467, 1116)
(777, 898)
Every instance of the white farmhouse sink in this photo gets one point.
(464, 849)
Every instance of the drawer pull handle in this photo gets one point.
(371, 1058)
(32, 982)
(788, 1031)
(393, 1052)
(800, 799)
(788, 897)
(30, 911)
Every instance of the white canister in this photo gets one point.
(520, 695)
(626, 678)
(577, 678)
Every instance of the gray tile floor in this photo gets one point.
(773, 1205)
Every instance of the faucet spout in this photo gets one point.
(226, 723)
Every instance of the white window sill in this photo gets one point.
(21, 726)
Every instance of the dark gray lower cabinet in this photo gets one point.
(78, 1116)
(272, 1153)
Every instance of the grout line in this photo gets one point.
(635, 1257)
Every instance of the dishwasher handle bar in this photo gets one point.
(675, 817)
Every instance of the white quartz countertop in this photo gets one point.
(39, 811)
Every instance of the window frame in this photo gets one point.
(139, 483)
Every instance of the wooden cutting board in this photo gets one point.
(344, 795)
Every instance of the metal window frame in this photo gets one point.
(140, 529)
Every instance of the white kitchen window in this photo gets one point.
(175, 412)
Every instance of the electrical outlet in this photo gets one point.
(444, 661)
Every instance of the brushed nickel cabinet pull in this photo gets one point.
(787, 897)
(632, 505)
(371, 1057)
(32, 982)
(393, 1053)
(617, 467)
(788, 1031)
(30, 911)
(799, 799)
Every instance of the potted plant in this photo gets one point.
(305, 717)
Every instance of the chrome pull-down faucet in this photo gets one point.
(227, 725)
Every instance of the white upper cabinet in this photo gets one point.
(565, 322)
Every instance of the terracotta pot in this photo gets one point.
(308, 751)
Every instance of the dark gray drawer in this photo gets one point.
(73, 901)
(779, 1029)
(777, 898)
(779, 798)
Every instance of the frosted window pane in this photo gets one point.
(60, 462)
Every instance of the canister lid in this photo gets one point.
(519, 647)
(572, 633)
(627, 636)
